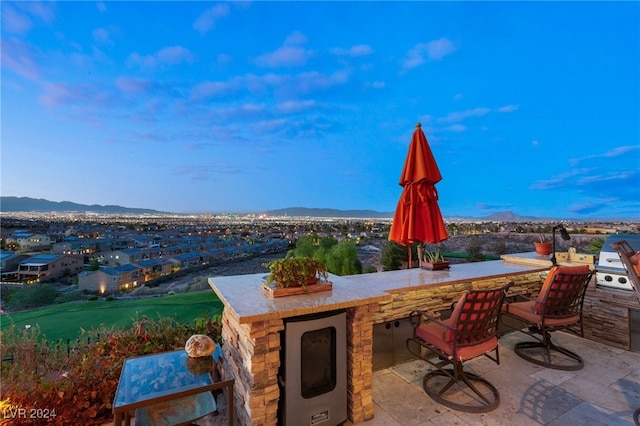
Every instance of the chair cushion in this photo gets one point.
(528, 311)
(438, 336)
(176, 411)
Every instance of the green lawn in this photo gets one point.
(66, 320)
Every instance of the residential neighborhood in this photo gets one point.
(107, 254)
(113, 258)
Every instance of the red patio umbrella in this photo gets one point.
(417, 217)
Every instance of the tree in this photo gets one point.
(306, 246)
(342, 259)
(392, 256)
(474, 250)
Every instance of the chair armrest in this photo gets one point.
(416, 316)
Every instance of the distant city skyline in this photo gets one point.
(198, 107)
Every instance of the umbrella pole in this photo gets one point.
(409, 254)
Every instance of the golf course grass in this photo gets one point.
(67, 320)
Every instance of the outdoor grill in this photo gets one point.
(610, 270)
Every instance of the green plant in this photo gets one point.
(433, 256)
(292, 271)
(543, 239)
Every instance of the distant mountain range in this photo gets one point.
(26, 204)
(315, 212)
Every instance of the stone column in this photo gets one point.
(360, 363)
(252, 355)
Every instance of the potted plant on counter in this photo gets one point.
(432, 260)
(543, 246)
(293, 271)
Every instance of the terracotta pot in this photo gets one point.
(543, 249)
(434, 266)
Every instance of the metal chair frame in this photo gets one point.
(474, 323)
(563, 299)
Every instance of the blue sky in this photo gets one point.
(195, 107)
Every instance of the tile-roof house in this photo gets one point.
(190, 260)
(154, 268)
(122, 257)
(74, 245)
(49, 267)
(110, 279)
(9, 262)
(27, 241)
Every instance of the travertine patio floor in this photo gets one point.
(605, 392)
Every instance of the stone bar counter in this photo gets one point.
(252, 322)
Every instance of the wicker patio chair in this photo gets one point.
(557, 307)
(470, 332)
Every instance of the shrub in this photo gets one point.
(81, 385)
(32, 296)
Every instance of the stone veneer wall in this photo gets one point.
(606, 316)
(439, 298)
(360, 363)
(252, 355)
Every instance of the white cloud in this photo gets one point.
(207, 21)
(171, 55)
(438, 49)
(353, 51)
(211, 89)
(134, 85)
(558, 181)
(458, 128)
(434, 50)
(296, 106)
(376, 84)
(415, 56)
(101, 35)
(290, 54)
(14, 22)
(174, 55)
(507, 108)
(457, 116)
(612, 153)
(18, 57)
(295, 38)
(286, 56)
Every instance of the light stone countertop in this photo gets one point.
(244, 295)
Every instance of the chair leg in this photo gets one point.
(453, 393)
(547, 354)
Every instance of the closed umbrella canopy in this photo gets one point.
(417, 217)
